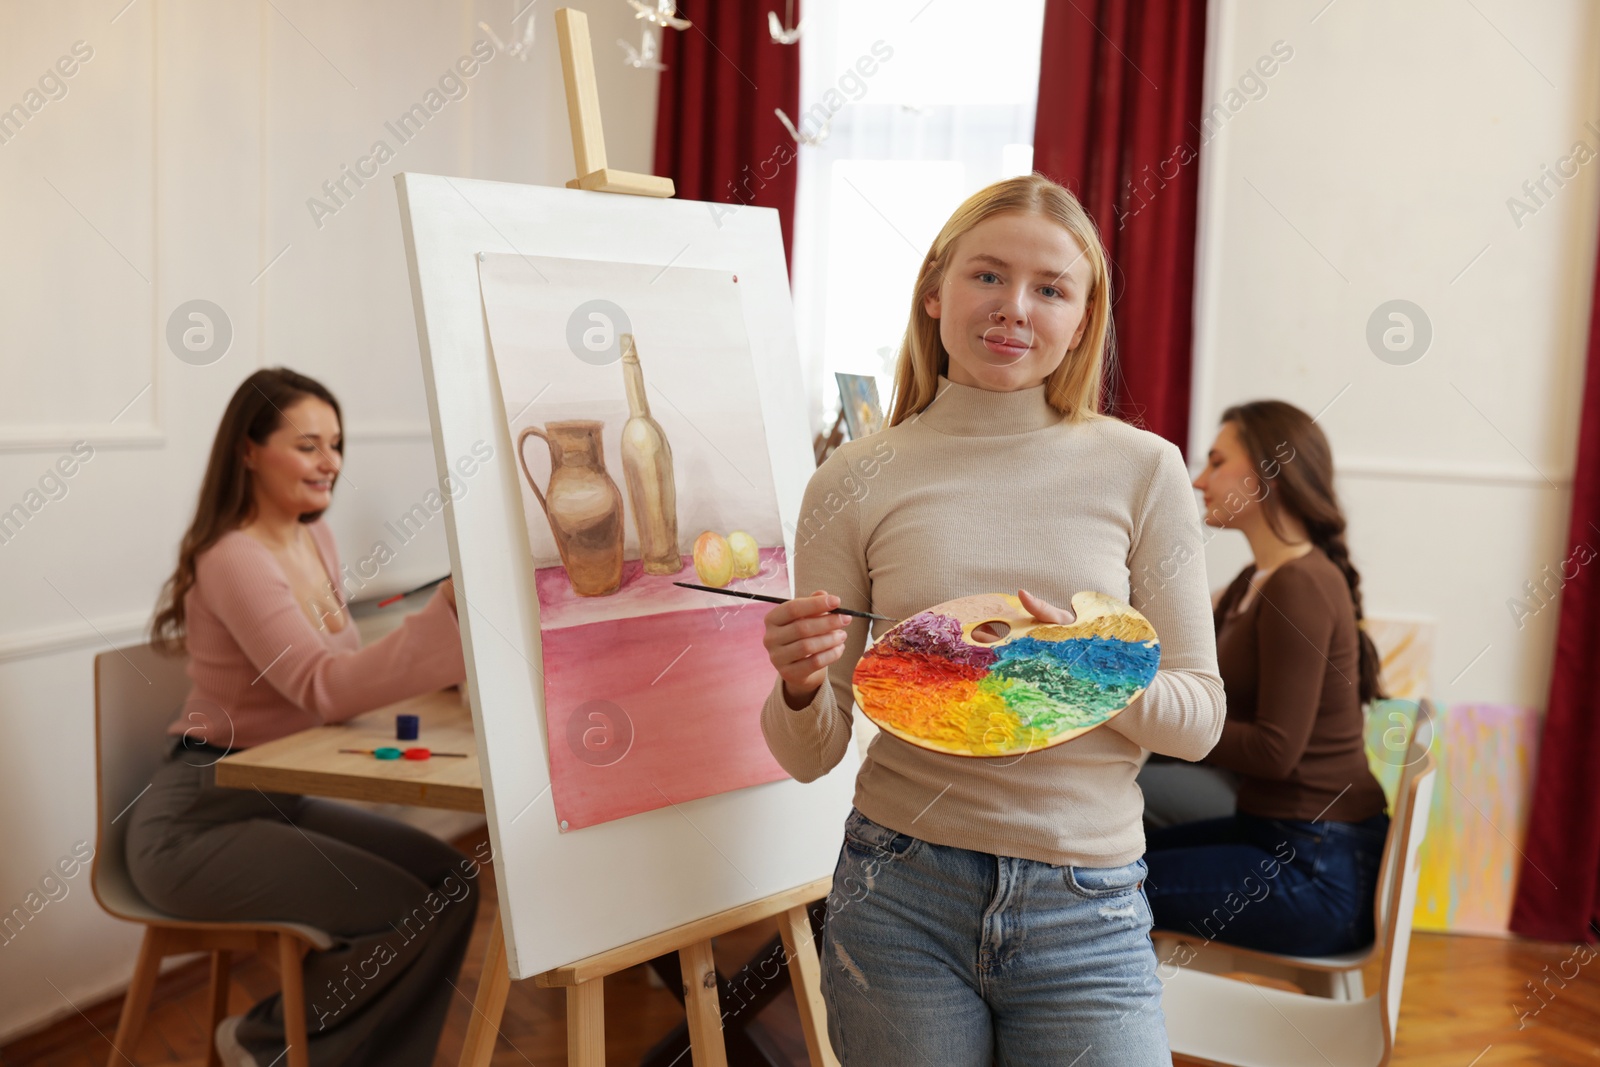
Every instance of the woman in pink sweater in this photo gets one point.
(273, 650)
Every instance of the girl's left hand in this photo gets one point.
(1043, 610)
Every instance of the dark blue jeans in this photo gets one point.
(1275, 885)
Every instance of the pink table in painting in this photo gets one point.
(653, 694)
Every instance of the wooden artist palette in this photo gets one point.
(929, 681)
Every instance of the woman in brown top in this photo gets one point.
(1294, 870)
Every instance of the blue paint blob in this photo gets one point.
(1104, 661)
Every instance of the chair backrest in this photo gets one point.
(1408, 827)
(1399, 811)
(1389, 722)
(137, 693)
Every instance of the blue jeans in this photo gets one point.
(942, 957)
(1274, 885)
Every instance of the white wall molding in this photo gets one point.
(1518, 475)
(118, 630)
(60, 437)
(53, 437)
(387, 431)
(105, 632)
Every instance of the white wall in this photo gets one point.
(1377, 166)
(177, 166)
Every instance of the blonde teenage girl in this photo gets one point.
(1002, 917)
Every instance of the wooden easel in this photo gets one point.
(824, 444)
(584, 980)
(583, 112)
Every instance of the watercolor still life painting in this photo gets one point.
(634, 416)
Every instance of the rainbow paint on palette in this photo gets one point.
(930, 682)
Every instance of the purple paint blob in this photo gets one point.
(932, 634)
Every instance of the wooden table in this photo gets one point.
(310, 763)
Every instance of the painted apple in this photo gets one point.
(713, 559)
(746, 554)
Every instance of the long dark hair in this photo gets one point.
(227, 494)
(1302, 485)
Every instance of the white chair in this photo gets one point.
(1337, 976)
(1221, 1022)
(137, 693)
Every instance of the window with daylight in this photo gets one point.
(907, 108)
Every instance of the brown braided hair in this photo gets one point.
(1302, 485)
(227, 494)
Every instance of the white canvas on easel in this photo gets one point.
(565, 896)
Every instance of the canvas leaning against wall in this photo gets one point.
(636, 425)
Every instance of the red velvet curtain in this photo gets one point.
(717, 137)
(1118, 123)
(1558, 890)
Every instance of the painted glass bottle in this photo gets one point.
(647, 469)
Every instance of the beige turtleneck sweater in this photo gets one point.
(992, 492)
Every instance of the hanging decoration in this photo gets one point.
(519, 49)
(787, 31)
(661, 13)
(801, 137)
(646, 56)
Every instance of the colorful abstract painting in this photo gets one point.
(635, 423)
(936, 681)
(1486, 754)
(858, 403)
(1405, 654)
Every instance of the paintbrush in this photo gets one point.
(780, 600)
(410, 592)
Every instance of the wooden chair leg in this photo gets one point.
(704, 1009)
(805, 973)
(489, 1002)
(221, 962)
(291, 951)
(136, 1004)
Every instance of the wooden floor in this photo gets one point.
(1466, 1004)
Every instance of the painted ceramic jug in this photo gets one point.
(582, 503)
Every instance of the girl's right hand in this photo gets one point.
(802, 639)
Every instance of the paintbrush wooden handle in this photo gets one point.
(779, 600)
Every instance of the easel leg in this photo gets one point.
(489, 1004)
(702, 1005)
(586, 1024)
(805, 973)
